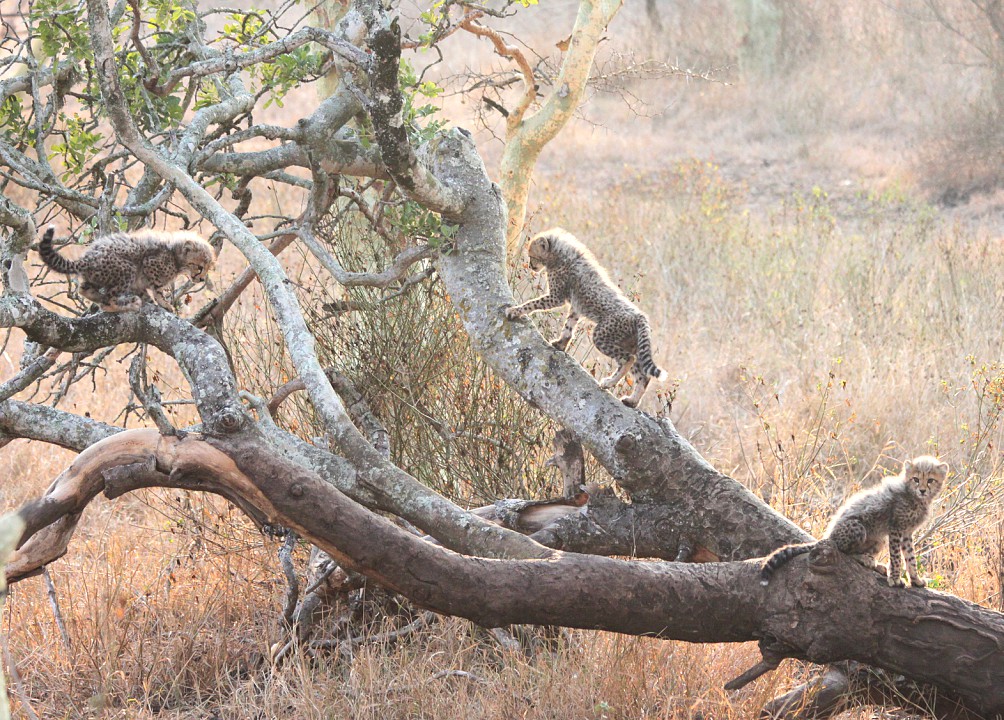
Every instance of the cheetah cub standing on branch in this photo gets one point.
(893, 509)
(116, 270)
(622, 330)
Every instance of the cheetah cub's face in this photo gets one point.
(924, 476)
(197, 258)
(539, 252)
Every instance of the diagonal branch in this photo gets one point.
(524, 145)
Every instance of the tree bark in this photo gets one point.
(823, 607)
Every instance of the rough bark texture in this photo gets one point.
(648, 457)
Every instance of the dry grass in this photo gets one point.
(820, 320)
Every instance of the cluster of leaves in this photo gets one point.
(249, 30)
(437, 18)
(60, 27)
(80, 143)
(416, 92)
(14, 127)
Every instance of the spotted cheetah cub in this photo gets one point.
(574, 276)
(892, 509)
(116, 270)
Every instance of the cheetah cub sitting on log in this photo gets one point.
(116, 270)
(893, 509)
(574, 276)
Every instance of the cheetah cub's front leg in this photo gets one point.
(911, 562)
(162, 296)
(561, 342)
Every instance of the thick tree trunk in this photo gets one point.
(824, 607)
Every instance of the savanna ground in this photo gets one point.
(820, 252)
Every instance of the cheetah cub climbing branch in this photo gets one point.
(894, 510)
(116, 270)
(574, 276)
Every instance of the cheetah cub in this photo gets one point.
(116, 270)
(892, 509)
(574, 276)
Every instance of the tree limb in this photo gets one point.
(922, 634)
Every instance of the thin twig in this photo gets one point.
(56, 612)
(292, 582)
(515, 117)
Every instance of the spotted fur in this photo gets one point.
(116, 270)
(574, 276)
(892, 510)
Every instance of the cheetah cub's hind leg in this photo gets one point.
(618, 375)
(614, 337)
(123, 303)
(93, 293)
(641, 381)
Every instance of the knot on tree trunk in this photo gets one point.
(229, 421)
(824, 559)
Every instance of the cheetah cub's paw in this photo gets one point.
(513, 313)
(629, 401)
(560, 343)
(897, 582)
(918, 582)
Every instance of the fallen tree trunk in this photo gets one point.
(824, 607)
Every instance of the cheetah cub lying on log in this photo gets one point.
(116, 270)
(574, 276)
(893, 509)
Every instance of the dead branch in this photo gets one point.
(514, 117)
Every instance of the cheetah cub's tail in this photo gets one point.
(52, 258)
(779, 557)
(645, 361)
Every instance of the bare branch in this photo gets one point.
(200, 357)
(397, 270)
(46, 424)
(535, 131)
(231, 63)
(35, 369)
(515, 117)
